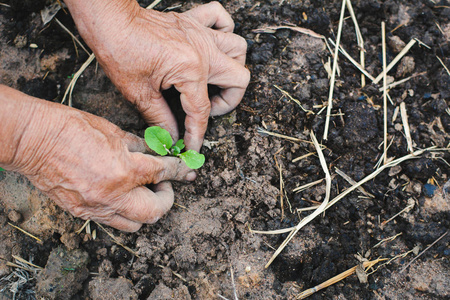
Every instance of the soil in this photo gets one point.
(205, 238)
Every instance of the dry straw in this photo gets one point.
(442, 63)
(333, 74)
(116, 240)
(396, 60)
(293, 99)
(319, 210)
(354, 62)
(352, 182)
(426, 249)
(293, 230)
(26, 232)
(404, 115)
(359, 39)
(335, 279)
(383, 35)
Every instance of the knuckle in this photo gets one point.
(118, 175)
(242, 44)
(190, 61)
(160, 175)
(80, 212)
(203, 108)
(155, 170)
(216, 5)
(143, 106)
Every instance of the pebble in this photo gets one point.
(406, 66)
(417, 187)
(396, 44)
(429, 190)
(14, 216)
(20, 41)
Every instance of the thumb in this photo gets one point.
(150, 169)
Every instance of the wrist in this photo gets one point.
(28, 124)
(96, 20)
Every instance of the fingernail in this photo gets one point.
(191, 176)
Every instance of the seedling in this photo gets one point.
(1, 169)
(160, 141)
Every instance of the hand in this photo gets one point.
(92, 168)
(144, 52)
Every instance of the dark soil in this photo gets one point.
(190, 253)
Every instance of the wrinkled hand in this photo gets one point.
(145, 52)
(93, 169)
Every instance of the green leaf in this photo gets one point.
(158, 139)
(175, 150)
(1, 169)
(180, 144)
(193, 159)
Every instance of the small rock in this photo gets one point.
(70, 240)
(429, 190)
(106, 268)
(406, 66)
(361, 274)
(230, 177)
(422, 168)
(63, 275)
(14, 216)
(395, 170)
(389, 79)
(417, 187)
(396, 44)
(111, 289)
(162, 292)
(221, 132)
(20, 41)
(261, 53)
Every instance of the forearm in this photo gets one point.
(24, 127)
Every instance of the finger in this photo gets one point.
(142, 205)
(150, 169)
(134, 143)
(212, 15)
(197, 106)
(233, 79)
(232, 45)
(156, 112)
(122, 223)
